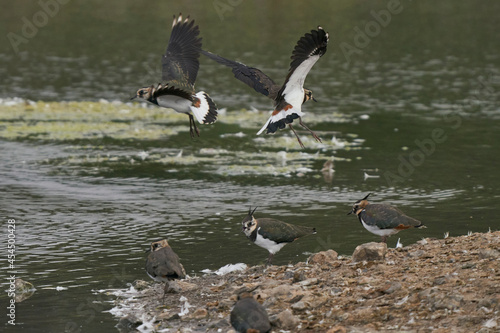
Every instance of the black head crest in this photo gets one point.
(366, 196)
(250, 211)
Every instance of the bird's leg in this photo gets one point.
(307, 128)
(384, 239)
(298, 139)
(165, 289)
(192, 125)
(269, 259)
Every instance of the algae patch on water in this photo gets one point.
(109, 137)
(67, 121)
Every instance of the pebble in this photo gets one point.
(285, 320)
(323, 258)
(489, 254)
(200, 313)
(299, 306)
(369, 252)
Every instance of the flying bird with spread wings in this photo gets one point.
(180, 65)
(289, 97)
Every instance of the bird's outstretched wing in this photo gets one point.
(180, 63)
(306, 53)
(251, 76)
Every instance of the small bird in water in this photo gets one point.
(180, 65)
(248, 315)
(272, 234)
(381, 219)
(289, 97)
(163, 265)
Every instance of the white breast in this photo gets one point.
(377, 231)
(177, 103)
(268, 244)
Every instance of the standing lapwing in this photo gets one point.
(289, 97)
(248, 315)
(163, 265)
(272, 234)
(382, 220)
(180, 65)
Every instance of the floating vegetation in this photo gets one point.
(102, 136)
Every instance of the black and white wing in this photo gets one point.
(291, 96)
(251, 76)
(180, 63)
(306, 53)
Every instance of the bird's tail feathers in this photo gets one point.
(204, 108)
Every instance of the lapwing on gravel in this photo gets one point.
(381, 219)
(180, 65)
(248, 315)
(272, 234)
(162, 264)
(289, 97)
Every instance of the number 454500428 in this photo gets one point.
(11, 242)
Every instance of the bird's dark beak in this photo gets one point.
(133, 97)
(148, 250)
(349, 213)
(314, 99)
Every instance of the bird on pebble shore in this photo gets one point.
(162, 264)
(381, 219)
(272, 234)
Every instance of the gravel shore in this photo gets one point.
(435, 285)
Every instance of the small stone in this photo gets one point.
(221, 323)
(426, 293)
(299, 306)
(369, 252)
(225, 304)
(416, 254)
(448, 302)
(285, 320)
(140, 285)
(175, 316)
(186, 286)
(128, 324)
(324, 258)
(298, 276)
(173, 287)
(392, 287)
(285, 292)
(337, 329)
(200, 313)
(439, 281)
(165, 315)
(23, 286)
(24, 290)
(488, 254)
(309, 282)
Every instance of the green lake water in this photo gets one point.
(408, 110)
